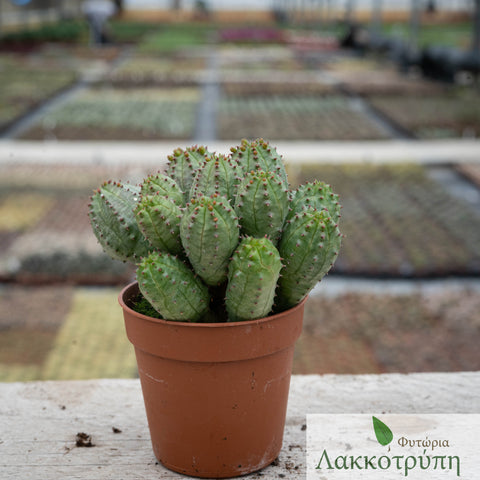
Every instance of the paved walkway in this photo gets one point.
(425, 152)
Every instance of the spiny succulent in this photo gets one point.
(317, 195)
(252, 278)
(172, 288)
(220, 237)
(209, 233)
(309, 246)
(262, 204)
(158, 218)
(259, 155)
(216, 175)
(163, 185)
(183, 164)
(113, 221)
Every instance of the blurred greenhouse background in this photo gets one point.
(96, 90)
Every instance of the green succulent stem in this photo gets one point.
(113, 221)
(209, 232)
(252, 277)
(217, 175)
(262, 204)
(172, 288)
(309, 247)
(183, 165)
(259, 155)
(159, 220)
(164, 186)
(317, 195)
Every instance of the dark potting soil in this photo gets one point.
(84, 440)
(141, 305)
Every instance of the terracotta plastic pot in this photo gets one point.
(215, 394)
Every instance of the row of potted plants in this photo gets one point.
(381, 203)
(433, 116)
(295, 117)
(23, 88)
(120, 114)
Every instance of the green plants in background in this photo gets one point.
(152, 70)
(220, 237)
(294, 117)
(456, 34)
(381, 203)
(454, 114)
(65, 31)
(22, 88)
(170, 38)
(123, 115)
(129, 31)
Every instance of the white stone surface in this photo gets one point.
(39, 421)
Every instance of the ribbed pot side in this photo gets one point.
(215, 394)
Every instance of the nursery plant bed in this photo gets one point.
(53, 177)
(107, 53)
(112, 114)
(173, 38)
(372, 333)
(453, 115)
(304, 42)
(299, 117)
(44, 227)
(31, 38)
(24, 88)
(383, 82)
(92, 133)
(234, 88)
(235, 56)
(151, 71)
(471, 171)
(88, 62)
(377, 332)
(30, 320)
(124, 31)
(381, 204)
(58, 250)
(252, 36)
(68, 319)
(259, 60)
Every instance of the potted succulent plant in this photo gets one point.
(226, 254)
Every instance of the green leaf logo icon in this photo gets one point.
(382, 432)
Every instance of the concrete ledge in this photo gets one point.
(40, 420)
(155, 153)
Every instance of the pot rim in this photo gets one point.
(245, 323)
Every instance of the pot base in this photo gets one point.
(230, 473)
(215, 394)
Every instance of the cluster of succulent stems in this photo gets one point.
(220, 237)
